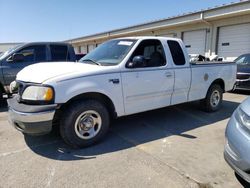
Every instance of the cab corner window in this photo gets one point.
(30, 54)
(176, 52)
(59, 53)
(40, 53)
(149, 53)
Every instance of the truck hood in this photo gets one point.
(41, 72)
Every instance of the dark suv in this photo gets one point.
(15, 59)
(243, 72)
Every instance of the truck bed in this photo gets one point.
(211, 63)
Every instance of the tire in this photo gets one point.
(213, 99)
(243, 182)
(84, 123)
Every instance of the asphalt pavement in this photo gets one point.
(178, 146)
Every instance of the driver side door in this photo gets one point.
(151, 86)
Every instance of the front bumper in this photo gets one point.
(242, 84)
(237, 149)
(31, 119)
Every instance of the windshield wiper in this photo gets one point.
(92, 61)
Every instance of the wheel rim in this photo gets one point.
(215, 98)
(88, 124)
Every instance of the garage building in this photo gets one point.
(5, 46)
(223, 30)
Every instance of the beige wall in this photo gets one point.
(5, 46)
(177, 31)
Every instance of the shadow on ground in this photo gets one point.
(242, 92)
(134, 130)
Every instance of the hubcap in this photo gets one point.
(215, 98)
(88, 124)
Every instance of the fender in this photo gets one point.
(101, 84)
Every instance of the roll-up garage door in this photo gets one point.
(233, 40)
(195, 41)
(84, 49)
(91, 47)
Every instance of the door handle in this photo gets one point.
(168, 74)
(114, 81)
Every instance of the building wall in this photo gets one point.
(210, 21)
(211, 28)
(5, 46)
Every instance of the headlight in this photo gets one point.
(242, 118)
(38, 93)
(13, 87)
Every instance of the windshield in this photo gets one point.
(243, 59)
(109, 53)
(5, 54)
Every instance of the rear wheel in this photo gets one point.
(84, 123)
(213, 99)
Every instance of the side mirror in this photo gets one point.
(18, 57)
(137, 62)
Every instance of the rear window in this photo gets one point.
(59, 53)
(177, 52)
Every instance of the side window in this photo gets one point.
(59, 53)
(28, 53)
(152, 52)
(33, 54)
(177, 52)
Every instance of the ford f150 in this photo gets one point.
(120, 77)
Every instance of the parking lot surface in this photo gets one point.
(179, 146)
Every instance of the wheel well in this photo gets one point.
(219, 82)
(95, 96)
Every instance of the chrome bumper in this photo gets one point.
(31, 119)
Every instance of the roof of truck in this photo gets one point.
(149, 37)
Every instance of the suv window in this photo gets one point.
(177, 52)
(28, 54)
(35, 53)
(152, 51)
(59, 53)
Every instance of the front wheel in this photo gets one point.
(213, 99)
(84, 123)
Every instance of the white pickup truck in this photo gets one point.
(120, 77)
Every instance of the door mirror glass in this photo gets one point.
(17, 57)
(137, 62)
